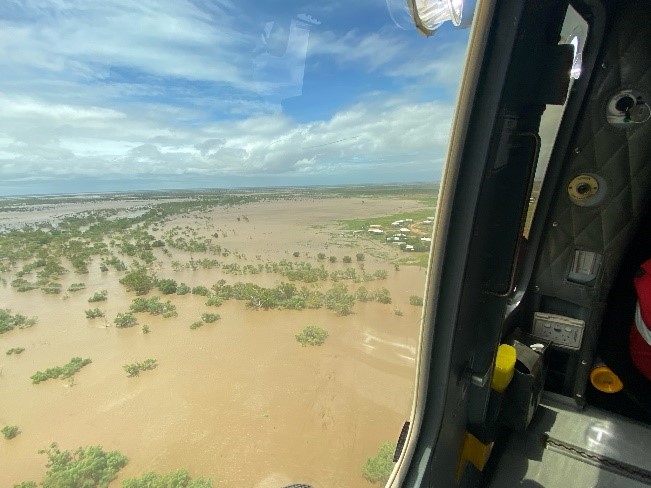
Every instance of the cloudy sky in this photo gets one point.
(122, 94)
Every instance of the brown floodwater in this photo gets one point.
(239, 400)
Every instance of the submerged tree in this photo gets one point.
(138, 280)
(378, 468)
(85, 467)
(175, 479)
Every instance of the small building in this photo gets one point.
(374, 226)
(409, 247)
(404, 229)
(426, 239)
(376, 231)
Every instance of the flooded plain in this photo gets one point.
(239, 400)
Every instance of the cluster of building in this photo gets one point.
(400, 235)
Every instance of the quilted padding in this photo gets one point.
(621, 156)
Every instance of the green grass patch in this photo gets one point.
(15, 350)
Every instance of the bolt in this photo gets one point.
(578, 395)
(554, 224)
(584, 362)
(537, 288)
(577, 150)
(604, 65)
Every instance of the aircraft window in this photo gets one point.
(574, 32)
(215, 225)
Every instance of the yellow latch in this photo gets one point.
(504, 367)
(475, 452)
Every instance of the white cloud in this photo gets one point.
(79, 39)
(372, 133)
(125, 89)
(371, 50)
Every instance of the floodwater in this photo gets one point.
(239, 400)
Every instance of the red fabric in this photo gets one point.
(639, 349)
(640, 352)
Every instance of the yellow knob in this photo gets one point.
(605, 380)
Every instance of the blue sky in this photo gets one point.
(120, 95)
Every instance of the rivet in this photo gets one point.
(554, 224)
(604, 65)
(577, 150)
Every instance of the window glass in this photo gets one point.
(215, 224)
(574, 32)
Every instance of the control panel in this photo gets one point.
(561, 331)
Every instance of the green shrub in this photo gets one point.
(360, 256)
(88, 467)
(378, 469)
(209, 318)
(415, 300)
(175, 479)
(333, 259)
(125, 320)
(201, 291)
(338, 299)
(380, 274)
(398, 312)
(52, 288)
(65, 371)
(312, 336)
(26, 484)
(134, 369)
(167, 286)
(214, 301)
(77, 287)
(347, 259)
(362, 294)
(10, 431)
(138, 280)
(321, 256)
(183, 289)
(296, 254)
(153, 306)
(145, 329)
(94, 313)
(382, 295)
(99, 296)
(9, 322)
(15, 350)
(196, 325)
